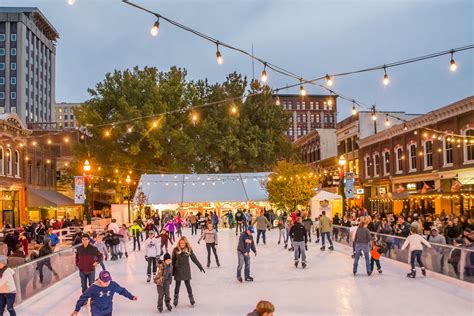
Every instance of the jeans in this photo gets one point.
(212, 246)
(327, 235)
(136, 240)
(163, 293)
(193, 229)
(359, 249)
(261, 232)
(188, 287)
(102, 265)
(282, 233)
(7, 299)
(299, 250)
(151, 266)
(243, 260)
(46, 263)
(238, 227)
(377, 262)
(416, 255)
(86, 277)
(123, 245)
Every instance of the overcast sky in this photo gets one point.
(310, 38)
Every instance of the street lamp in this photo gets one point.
(86, 168)
(128, 180)
(342, 164)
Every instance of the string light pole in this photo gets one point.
(128, 180)
(342, 171)
(86, 168)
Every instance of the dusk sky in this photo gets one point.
(310, 38)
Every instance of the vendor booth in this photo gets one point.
(326, 201)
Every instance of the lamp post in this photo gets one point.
(86, 168)
(342, 165)
(128, 180)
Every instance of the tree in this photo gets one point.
(291, 185)
(251, 139)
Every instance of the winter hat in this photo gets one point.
(4, 259)
(105, 276)
(250, 228)
(166, 256)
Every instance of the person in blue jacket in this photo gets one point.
(101, 293)
(246, 244)
(53, 237)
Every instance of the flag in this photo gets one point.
(456, 185)
(424, 188)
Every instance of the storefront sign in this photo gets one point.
(79, 192)
(382, 190)
(411, 186)
(349, 185)
(360, 191)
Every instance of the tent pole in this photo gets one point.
(243, 186)
(182, 192)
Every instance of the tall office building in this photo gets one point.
(27, 64)
(63, 115)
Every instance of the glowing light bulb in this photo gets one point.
(329, 101)
(155, 28)
(302, 91)
(386, 81)
(129, 129)
(155, 124)
(387, 122)
(71, 2)
(219, 58)
(405, 127)
(264, 77)
(277, 101)
(452, 63)
(233, 109)
(354, 110)
(329, 81)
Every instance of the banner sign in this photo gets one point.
(349, 187)
(79, 190)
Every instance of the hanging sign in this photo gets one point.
(349, 185)
(79, 190)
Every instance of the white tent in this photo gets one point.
(196, 188)
(334, 204)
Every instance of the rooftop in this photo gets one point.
(40, 20)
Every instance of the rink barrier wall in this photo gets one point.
(452, 262)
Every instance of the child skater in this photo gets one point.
(415, 243)
(164, 241)
(163, 278)
(151, 253)
(375, 256)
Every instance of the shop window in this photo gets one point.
(429, 154)
(376, 165)
(412, 161)
(9, 162)
(2, 166)
(386, 163)
(469, 146)
(16, 162)
(448, 152)
(357, 166)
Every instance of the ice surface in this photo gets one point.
(325, 287)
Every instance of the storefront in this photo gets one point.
(43, 204)
(10, 206)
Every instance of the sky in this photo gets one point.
(309, 38)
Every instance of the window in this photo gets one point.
(9, 162)
(376, 165)
(13, 37)
(448, 152)
(303, 118)
(289, 106)
(13, 95)
(299, 131)
(470, 146)
(290, 131)
(2, 95)
(1, 161)
(325, 105)
(349, 145)
(386, 163)
(2, 66)
(2, 81)
(367, 167)
(399, 155)
(16, 162)
(13, 80)
(66, 110)
(13, 51)
(412, 161)
(284, 105)
(311, 105)
(13, 66)
(2, 51)
(298, 118)
(298, 106)
(312, 118)
(318, 118)
(2, 37)
(428, 154)
(317, 105)
(357, 166)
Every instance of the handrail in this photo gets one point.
(46, 257)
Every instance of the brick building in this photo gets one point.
(427, 166)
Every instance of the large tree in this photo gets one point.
(291, 185)
(251, 138)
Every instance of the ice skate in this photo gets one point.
(168, 307)
(323, 248)
(148, 279)
(304, 264)
(369, 273)
(296, 264)
(160, 309)
(380, 271)
(331, 247)
(249, 279)
(239, 279)
(191, 300)
(317, 241)
(423, 271)
(278, 242)
(412, 274)
(286, 245)
(175, 301)
(126, 255)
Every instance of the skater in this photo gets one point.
(316, 228)
(193, 221)
(361, 240)
(230, 219)
(87, 257)
(375, 255)
(124, 239)
(170, 228)
(289, 224)
(263, 308)
(262, 225)
(151, 254)
(164, 241)
(325, 227)
(300, 239)
(136, 232)
(281, 231)
(308, 223)
(45, 250)
(239, 220)
(415, 243)
(7, 287)
(182, 270)
(100, 245)
(210, 237)
(215, 221)
(101, 294)
(246, 244)
(163, 278)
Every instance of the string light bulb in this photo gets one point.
(329, 81)
(277, 101)
(219, 58)
(155, 28)
(374, 115)
(452, 63)
(387, 122)
(233, 109)
(264, 76)
(155, 124)
(405, 127)
(354, 110)
(302, 90)
(129, 129)
(71, 2)
(107, 133)
(386, 81)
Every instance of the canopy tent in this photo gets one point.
(44, 198)
(326, 201)
(199, 188)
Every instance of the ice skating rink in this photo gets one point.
(325, 287)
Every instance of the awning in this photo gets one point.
(43, 198)
(101, 204)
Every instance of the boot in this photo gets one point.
(331, 247)
(239, 279)
(412, 274)
(126, 255)
(304, 264)
(296, 263)
(218, 264)
(380, 271)
(160, 309)
(148, 279)
(317, 241)
(208, 264)
(249, 279)
(168, 306)
(278, 242)
(286, 245)
(369, 273)
(323, 248)
(175, 301)
(191, 300)
(423, 271)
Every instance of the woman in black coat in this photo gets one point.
(181, 268)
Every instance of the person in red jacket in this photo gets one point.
(87, 257)
(24, 243)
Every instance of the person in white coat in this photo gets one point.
(151, 254)
(7, 287)
(415, 243)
